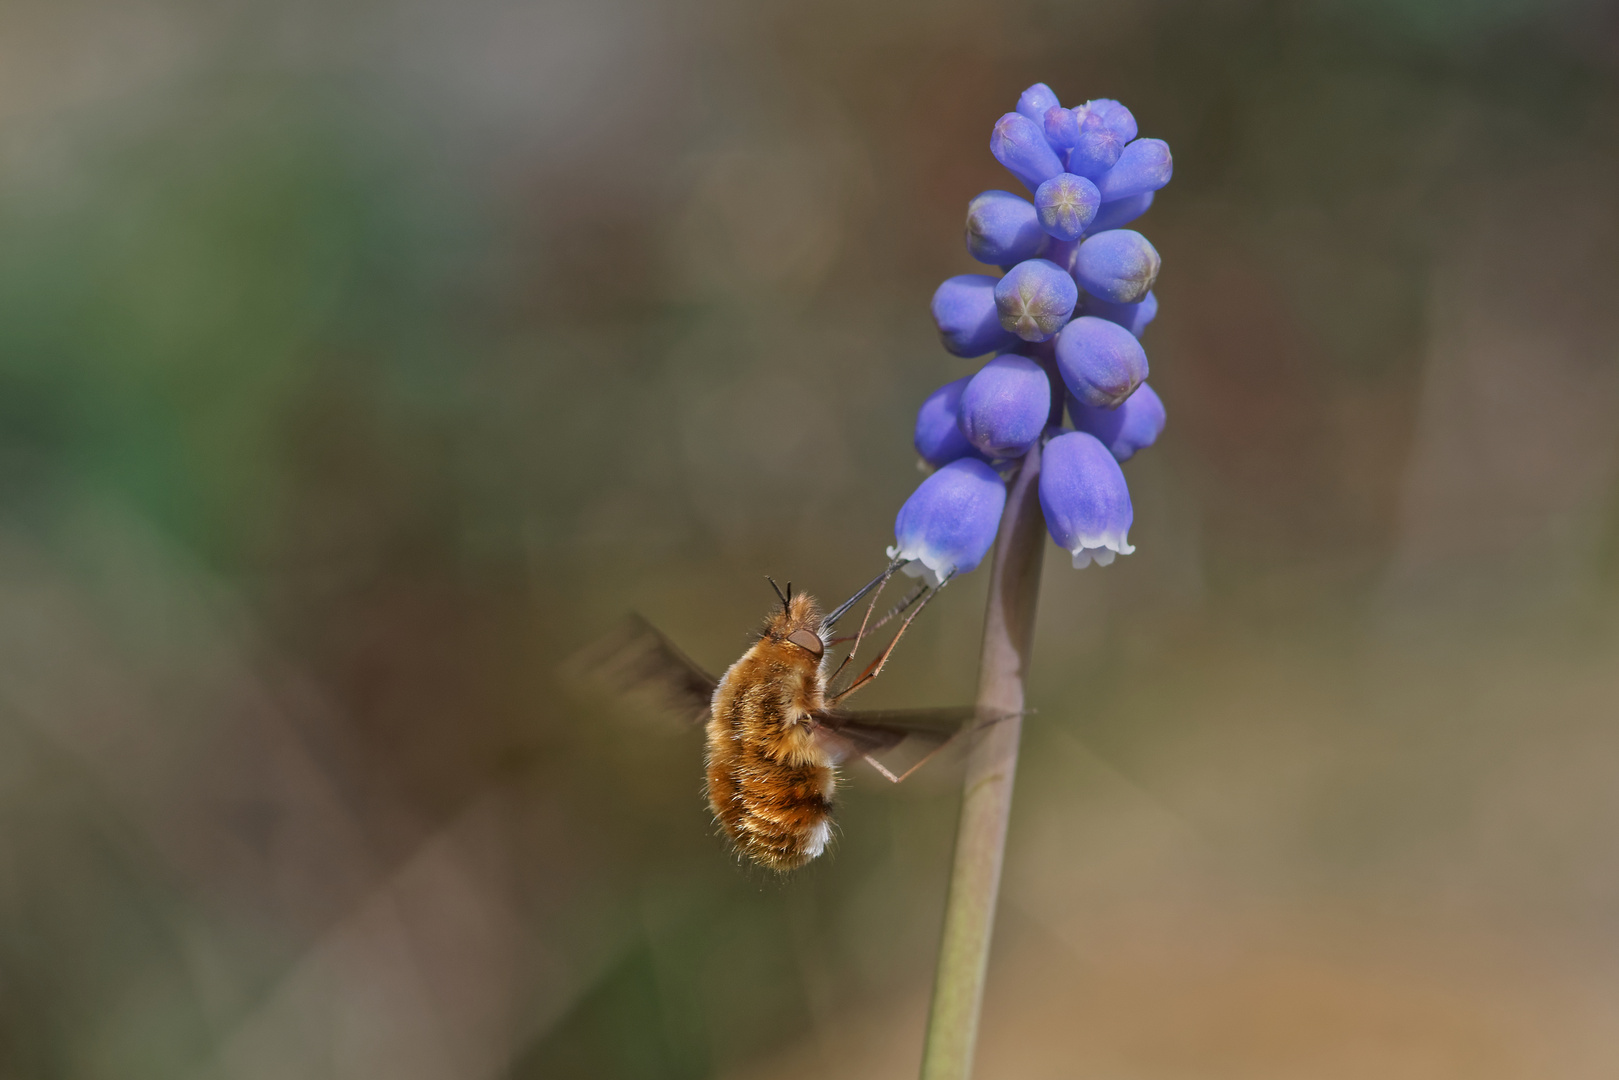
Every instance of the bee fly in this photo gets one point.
(776, 731)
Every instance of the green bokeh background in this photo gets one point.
(361, 362)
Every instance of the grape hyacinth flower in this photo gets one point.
(1118, 119)
(947, 525)
(1100, 361)
(965, 312)
(1062, 128)
(1143, 166)
(1035, 299)
(1020, 144)
(1004, 408)
(1117, 265)
(1066, 204)
(1037, 101)
(938, 438)
(1130, 427)
(1085, 499)
(1096, 146)
(1120, 212)
(1076, 285)
(1003, 229)
(1076, 297)
(1133, 317)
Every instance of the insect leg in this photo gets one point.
(878, 582)
(902, 777)
(861, 634)
(857, 639)
(897, 609)
(925, 758)
(876, 666)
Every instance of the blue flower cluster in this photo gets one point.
(1064, 321)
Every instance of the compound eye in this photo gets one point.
(807, 640)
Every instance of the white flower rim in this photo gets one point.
(930, 567)
(1100, 549)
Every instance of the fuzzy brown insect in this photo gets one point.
(770, 780)
(775, 730)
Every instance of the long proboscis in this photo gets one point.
(893, 613)
(876, 666)
(843, 609)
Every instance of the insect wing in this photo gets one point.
(637, 658)
(915, 733)
(942, 719)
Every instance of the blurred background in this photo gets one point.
(362, 361)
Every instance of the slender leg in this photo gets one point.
(861, 635)
(863, 622)
(893, 612)
(875, 668)
(874, 583)
(880, 767)
(901, 778)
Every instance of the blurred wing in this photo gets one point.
(947, 718)
(636, 658)
(917, 732)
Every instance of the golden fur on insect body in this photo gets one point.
(770, 782)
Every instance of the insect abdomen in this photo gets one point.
(775, 805)
(779, 816)
(769, 782)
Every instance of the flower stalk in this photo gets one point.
(986, 801)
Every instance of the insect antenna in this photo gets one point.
(875, 668)
(786, 601)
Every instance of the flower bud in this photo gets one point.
(1020, 144)
(1096, 147)
(1061, 127)
(1119, 119)
(1101, 362)
(1066, 204)
(949, 522)
(938, 434)
(1133, 317)
(1005, 406)
(1036, 101)
(965, 312)
(1145, 165)
(1132, 426)
(1117, 265)
(1120, 212)
(1085, 499)
(1035, 299)
(1003, 228)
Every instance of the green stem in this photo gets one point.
(986, 801)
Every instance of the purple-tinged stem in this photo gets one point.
(986, 801)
